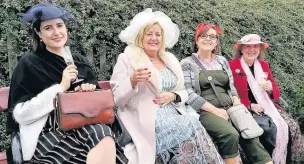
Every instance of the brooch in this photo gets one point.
(209, 78)
(237, 71)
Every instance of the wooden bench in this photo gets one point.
(3, 106)
(4, 91)
(3, 158)
(3, 98)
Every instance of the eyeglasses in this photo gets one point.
(211, 36)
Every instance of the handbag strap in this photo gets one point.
(210, 79)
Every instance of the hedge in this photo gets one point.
(95, 35)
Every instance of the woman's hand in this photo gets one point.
(85, 87)
(217, 111)
(69, 74)
(140, 75)
(267, 86)
(221, 113)
(236, 100)
(164, 98)
(256, 108)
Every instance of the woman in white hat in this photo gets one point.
(258, 91)
(149, 92)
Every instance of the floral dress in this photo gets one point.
(181, 139)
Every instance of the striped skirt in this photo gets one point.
(67, 147)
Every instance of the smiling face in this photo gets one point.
(207, 41)
(250, 52)
(152, 39)
(54, 34)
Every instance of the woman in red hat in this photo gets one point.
(213, 115)
(257, 90)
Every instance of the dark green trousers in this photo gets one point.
(227, 138)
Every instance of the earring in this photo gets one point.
(41, 40)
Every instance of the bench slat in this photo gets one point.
(3, 158)
(4, 98)
(4, 91)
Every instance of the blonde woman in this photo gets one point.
(149, 91)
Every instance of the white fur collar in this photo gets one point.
(139, 59)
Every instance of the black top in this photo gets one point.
(37, 72)
(250, 94)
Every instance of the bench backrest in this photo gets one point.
(3, 98)
(4, 91)
(3, 158)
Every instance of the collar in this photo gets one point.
(139, 59)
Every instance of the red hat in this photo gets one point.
(202, 25)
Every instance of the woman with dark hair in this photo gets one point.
(258, 89)
(36, 80)
(202, 98)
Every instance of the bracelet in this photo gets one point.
(177, 98)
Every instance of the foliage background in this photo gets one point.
(99, 22)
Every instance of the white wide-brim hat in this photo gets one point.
(251, 39)
(171, 30)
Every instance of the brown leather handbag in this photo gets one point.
(77, 109)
